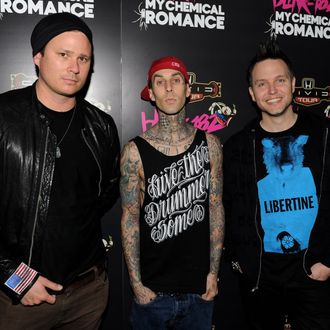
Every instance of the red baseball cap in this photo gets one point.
(168, 62)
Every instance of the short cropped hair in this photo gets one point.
(268, 50)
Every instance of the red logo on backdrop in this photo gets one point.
(218, 115)
(308, 94)
(199, 91)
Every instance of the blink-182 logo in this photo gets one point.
(300, 18)
(308, 95)
(189, 14)
(218, 115)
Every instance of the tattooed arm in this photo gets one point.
(131, 190)
(217, 215)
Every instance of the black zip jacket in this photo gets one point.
(244, 242)
(27, 159)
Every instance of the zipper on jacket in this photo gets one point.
(256, 211)
(97, 162)
(320, 186)
(37, 206)
(323, 162)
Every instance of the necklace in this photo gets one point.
(58, 150)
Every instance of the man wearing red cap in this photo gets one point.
(173, 218)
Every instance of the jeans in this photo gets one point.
(173, 311)
(76, 308)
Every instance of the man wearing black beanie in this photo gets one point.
(53, 25)
(63, 154)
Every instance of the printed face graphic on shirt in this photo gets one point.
(287, 195)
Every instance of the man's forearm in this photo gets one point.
(217, 229)
(217, 214)
(131, 248)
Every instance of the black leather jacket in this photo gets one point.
(27, 159)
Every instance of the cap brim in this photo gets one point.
(145, 94)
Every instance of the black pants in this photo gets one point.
(305, 301)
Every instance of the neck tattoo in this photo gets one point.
(163, 121)
(58, 150)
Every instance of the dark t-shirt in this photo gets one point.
(174, 218)
(288, 169)
(72, 240)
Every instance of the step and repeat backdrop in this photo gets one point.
(216, 40)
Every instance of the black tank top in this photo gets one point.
(174, 218)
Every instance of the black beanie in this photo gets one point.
(55, 24)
